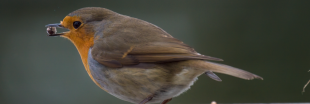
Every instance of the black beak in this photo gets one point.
(51, 29)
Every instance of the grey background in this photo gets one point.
(268, 38)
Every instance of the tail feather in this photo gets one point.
(213, 76)
(225, 69)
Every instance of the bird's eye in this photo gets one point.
(76, 24)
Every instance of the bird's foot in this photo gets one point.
(166, 101)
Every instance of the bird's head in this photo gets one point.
(81, 23)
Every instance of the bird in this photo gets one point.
(134, 60)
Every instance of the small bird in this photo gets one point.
(135, 60)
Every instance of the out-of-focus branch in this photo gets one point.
(306, 85)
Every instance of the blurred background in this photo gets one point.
(268, 38)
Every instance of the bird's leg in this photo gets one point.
(166, 101)
(146, 100)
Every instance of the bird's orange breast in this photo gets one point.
(83, 41)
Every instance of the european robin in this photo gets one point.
(135, 60)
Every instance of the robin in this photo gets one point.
(135, 60)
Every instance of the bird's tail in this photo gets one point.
(225, 69)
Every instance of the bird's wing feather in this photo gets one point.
(136, 41)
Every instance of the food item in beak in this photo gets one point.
(51, 30)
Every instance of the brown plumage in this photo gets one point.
(135, 60)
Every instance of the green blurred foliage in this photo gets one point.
(268, 38)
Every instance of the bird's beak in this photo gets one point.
(52, 31)
(54, 25)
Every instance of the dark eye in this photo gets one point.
(76, 24)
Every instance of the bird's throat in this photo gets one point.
(82, 44)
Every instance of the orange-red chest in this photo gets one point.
(83, 42)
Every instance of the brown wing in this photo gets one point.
(151, 52)
(131, 41)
